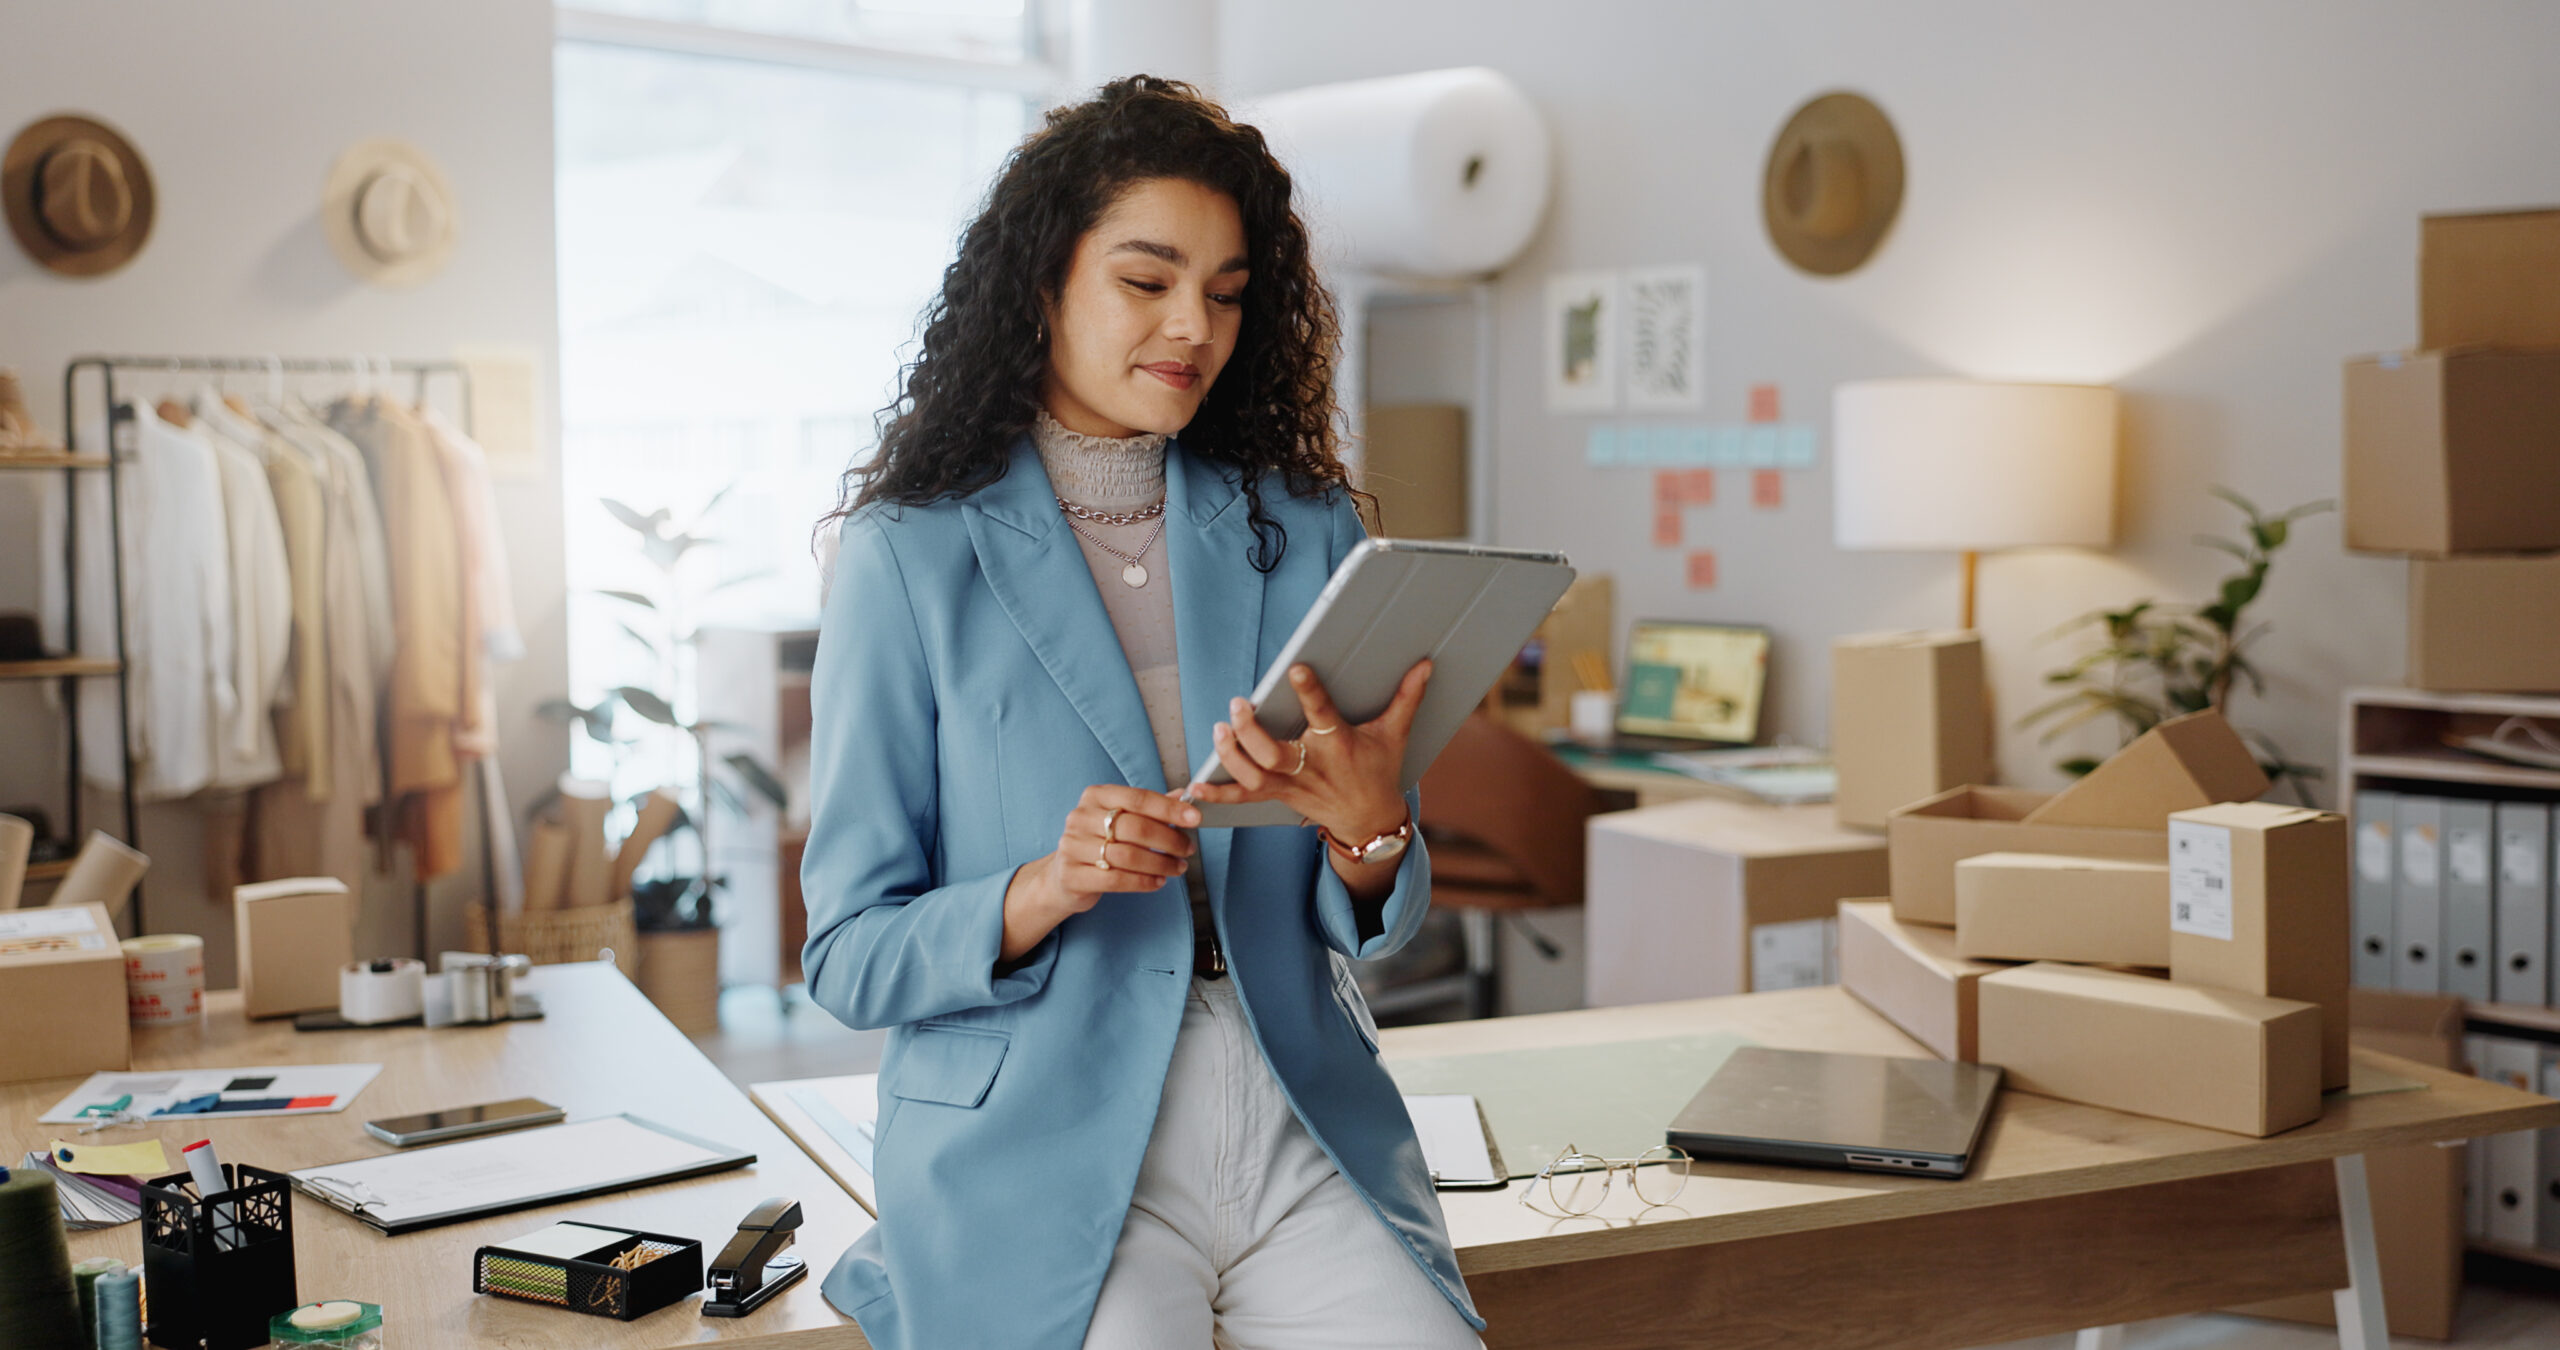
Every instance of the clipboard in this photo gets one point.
(1392, 602)
(1457, 1142)
(428, 1187)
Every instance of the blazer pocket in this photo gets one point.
(951, 1065)
(1347, 996)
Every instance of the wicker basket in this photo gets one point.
(553, 936)
(680, 972)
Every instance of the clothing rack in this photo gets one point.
(358, 367)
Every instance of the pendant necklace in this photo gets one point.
(1133, 573)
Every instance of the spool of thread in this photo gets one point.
(39, 1304)
(164, 979)
(382, 991)
(84, 1277)
(120, 1311)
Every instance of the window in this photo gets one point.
(745, 248)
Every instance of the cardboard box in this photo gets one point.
(2450, 452)
(2484, 624)
(1912, 975)
(2258, 902)
(2212, 1057)
(1414, 461)
(1677, 897)
(2048, 907)
(2195, 760)
(2491, 278)
(2416, 1192)
(1909, 719)
(1929, 838)
(294, 935)
(61, 994)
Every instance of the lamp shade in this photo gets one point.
(1968, 465)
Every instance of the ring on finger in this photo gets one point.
(1109, 819)
(1302, 760)
(1102, 855)
(1324, 731)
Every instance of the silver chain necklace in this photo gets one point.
(1137, 517)
(1133, 573)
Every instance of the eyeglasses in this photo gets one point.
(1578, 1183)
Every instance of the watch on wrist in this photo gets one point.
(1382, 848)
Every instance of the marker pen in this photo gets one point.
(207, 1171)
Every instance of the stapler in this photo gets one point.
(750, 1269)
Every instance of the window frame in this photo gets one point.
(1039, 75)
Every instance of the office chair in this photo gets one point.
(1504, 819)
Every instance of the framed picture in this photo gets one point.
(1666, 338)
(1581, 342)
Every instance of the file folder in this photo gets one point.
(2470, 952)
(2375, 868)
(2417, 898)
(2524, 903)
(2513, 1209)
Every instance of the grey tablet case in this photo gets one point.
(1391, 603)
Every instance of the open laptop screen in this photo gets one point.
(1699, 681)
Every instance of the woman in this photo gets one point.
(1130, 1096)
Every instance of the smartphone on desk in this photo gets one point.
(434, 1127)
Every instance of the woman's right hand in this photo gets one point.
(1146, 845)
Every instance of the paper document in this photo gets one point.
(1454, 1144)
(426, 1186)
(846, 1108)
(179, 1094)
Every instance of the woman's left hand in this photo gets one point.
(1341, 775)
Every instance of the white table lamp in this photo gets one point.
(1968, 466)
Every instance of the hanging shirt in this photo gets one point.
(261, 599)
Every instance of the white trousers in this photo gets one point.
(1242, 1235)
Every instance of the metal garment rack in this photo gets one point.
(111, 458)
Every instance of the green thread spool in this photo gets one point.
(120, 1310)
(39, 1305)
(85, 1275)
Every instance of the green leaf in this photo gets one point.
(2217, 542)
(2272, 534)
(631, 597)
(2078, 766)
(648, 704)
(647, 525)
(647, 643)
(739, 580)
(761, 779)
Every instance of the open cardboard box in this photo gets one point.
(1927, 839)
(2195, 760)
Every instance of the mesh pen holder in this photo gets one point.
(217, 1266)
(632, 1276)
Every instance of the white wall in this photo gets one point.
(241, 107)
(2209, 203)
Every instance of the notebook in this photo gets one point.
(424, 1187)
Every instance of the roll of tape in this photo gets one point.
(164, 979)
(382, 991)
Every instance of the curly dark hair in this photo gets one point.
(975, 385)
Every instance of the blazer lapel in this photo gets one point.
(1039, 576)
(1217, 614)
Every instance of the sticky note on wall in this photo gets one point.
(1768, 488)
(1702, 569)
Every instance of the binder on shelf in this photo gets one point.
(2524, 903)
(2511, 1209)
(2547, 1163)
(2417, 898)
(2470, 949)
(2475, 1185)
(2375, 867)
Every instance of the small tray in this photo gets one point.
(591, 1283)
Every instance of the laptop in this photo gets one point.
(1865, 1113)
(1691, 686)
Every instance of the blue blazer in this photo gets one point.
(969, 686)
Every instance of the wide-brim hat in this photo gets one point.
(1834, 184)
(388, 212)
(77, 194)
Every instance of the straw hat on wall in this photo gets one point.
(77, 194)
(388, 213)
(1834, 184)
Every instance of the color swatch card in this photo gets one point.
(265, 1090)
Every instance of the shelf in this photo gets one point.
(2502, 705)
(51, 459)
(56, 667)
(2532, 1256)
(2521, 1016)
(49, 871)
(2453, 766)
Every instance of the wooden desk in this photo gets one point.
(1649, 787)
(600, 1049)
(2075, 1217)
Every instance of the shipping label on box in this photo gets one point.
(2200, 879)
(1791, 955)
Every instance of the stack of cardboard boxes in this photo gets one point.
(2449, 455)
(2150, 939)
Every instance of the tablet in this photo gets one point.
(1391, 603)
